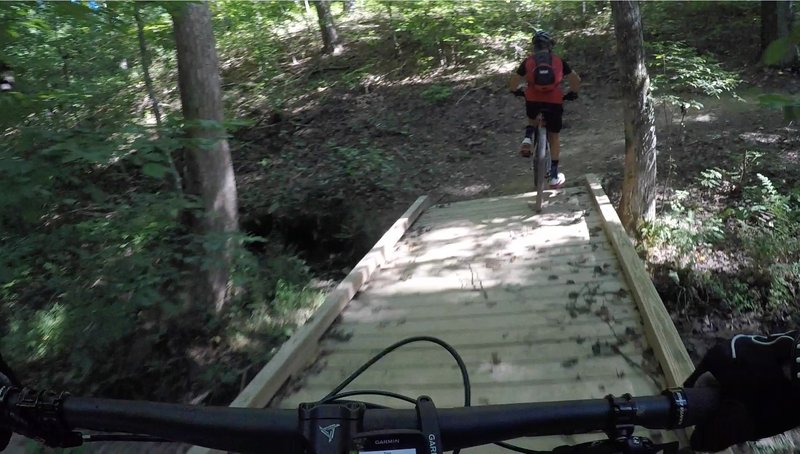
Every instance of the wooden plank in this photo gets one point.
(530, 243)
(574, 252)
(505, 215)
(488, 372)
(478, 283)
(466, 231)
(546, 311)
(500, 273)
(557, 213)
(461, 230)
(557, 292)
(660, 329)
(487, 267)
(532, 248)
(343, 339)
(580, 259)
(428, 355)
(560, 210)
(518, 197)
(425, 321)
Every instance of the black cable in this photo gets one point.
(395, 346)
(367, 392)
(462, 367)
(122, 437)
(515, 448)
(336, 393)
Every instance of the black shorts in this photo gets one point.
(552, 114)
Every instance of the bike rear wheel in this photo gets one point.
(541, 165)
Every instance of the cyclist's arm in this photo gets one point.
(517, 78)
(514, 82)
(574, 81)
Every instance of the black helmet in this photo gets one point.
(542, 40)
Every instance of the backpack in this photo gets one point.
(544, 75)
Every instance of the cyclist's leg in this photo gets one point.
(555, 144)
(527, 143)
(554, 116)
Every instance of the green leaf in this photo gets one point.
(154, 170)
(777, 51)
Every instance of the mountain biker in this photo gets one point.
(758, 378)
(543, 71)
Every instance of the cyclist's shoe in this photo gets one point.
(557, 181)
(525, 148)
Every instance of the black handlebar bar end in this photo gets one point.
(692, 405)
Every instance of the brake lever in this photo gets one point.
(38, 415)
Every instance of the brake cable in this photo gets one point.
(620, 433)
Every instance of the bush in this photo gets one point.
(760, 227)
(682, 231)
(678, 69)
(437, 93)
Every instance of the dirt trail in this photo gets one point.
(592, 141)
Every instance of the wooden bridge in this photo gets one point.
(542, 307)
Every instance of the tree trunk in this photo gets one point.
(639, 186)
(776, 23)
(144, 57)
(209, 171)
(326, 25)
(349, 6)
(769, 23)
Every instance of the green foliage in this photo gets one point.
(680, 69)
(96, 250)
(445, 34)
(782, 49)
(734, 292)
(366, 169)
(759, 218)
(437, 93)
(770, 233)
(688, 22)
(683, 229)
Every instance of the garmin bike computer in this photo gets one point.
(389, 442)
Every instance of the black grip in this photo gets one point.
(701, 403)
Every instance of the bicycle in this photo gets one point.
(541, 159)
(334, 425)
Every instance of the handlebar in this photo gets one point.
(249, 430)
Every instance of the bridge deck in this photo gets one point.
(542, 307)
(537, 305)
